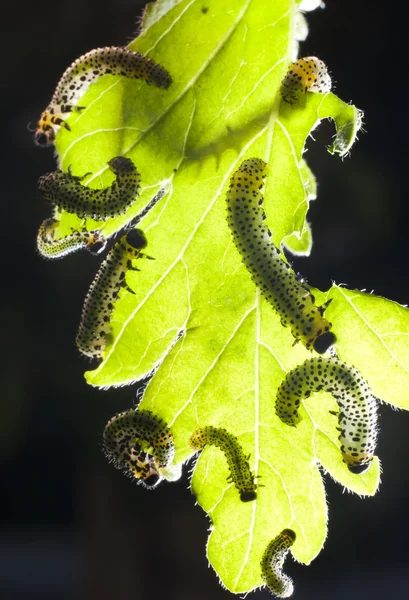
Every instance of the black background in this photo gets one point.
(70, 525)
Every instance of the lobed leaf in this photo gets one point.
(217, 349)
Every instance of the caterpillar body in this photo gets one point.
(66, 191)
(94, 331)
(237, 461)
(272, 563)
(289, 295)
(129, 436)
(85, 70)
(357, 405)
(309, 74)
(49, 247)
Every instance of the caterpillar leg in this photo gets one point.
(68, 108)
(323, 308)
(78, 177)
(126, 286)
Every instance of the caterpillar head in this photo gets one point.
(137, 239)
(324, 342)
(120, 165)
(44, 134)
(96, 242)
(358, 469)
(47, 127)
(248, 496)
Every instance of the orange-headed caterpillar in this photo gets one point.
(309, 74)
(86, 70)
(139, 443)
(49, 247)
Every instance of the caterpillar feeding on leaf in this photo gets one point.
(49, 247)
(237, 461)
(357, 405)
(289, 295)
(309, 74)
(272, 564)
(94, 331)
(66, 191)
(85, 70)
(140, 444)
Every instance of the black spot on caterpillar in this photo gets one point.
(140, 444)
(357, 406)
(309, 74)
(94, 330)
(289, 295)
(238, 463)
(85, 70)
(49, 247)
(272, 563)
(66, 191)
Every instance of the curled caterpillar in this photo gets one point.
(238, 463)
(49, 247)
(85, 70)
(140, 444)
(66, 191)
(94, 331)
(272, 563)
(289, 295)
(309, 74)
(357, 405)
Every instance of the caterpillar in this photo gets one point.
(49, 247)
(94, 331)
(272, 563)
(66, 192)
(357, 406)
(309, 74)
(85, 70)
(289, 295)
(129, 435)
(238, 463)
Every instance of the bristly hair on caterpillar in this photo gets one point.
(140, 444)
(272, 564)
(86, 70)
(357, 417)
(66, 192)
(289, 295)
(94, 331)
(52, 248)
(309, 74)
(237, 461)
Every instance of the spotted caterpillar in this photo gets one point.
(94, 331)
(52, 248)
(309, 74)
(289, 296)
(85, 70)
(272, 563)
(238, 463)
(66, 192)
(358, 408)
(140, 444)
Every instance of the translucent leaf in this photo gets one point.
(217, 349)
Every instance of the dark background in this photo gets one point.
(70, 525)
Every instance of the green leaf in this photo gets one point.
(217, 349)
